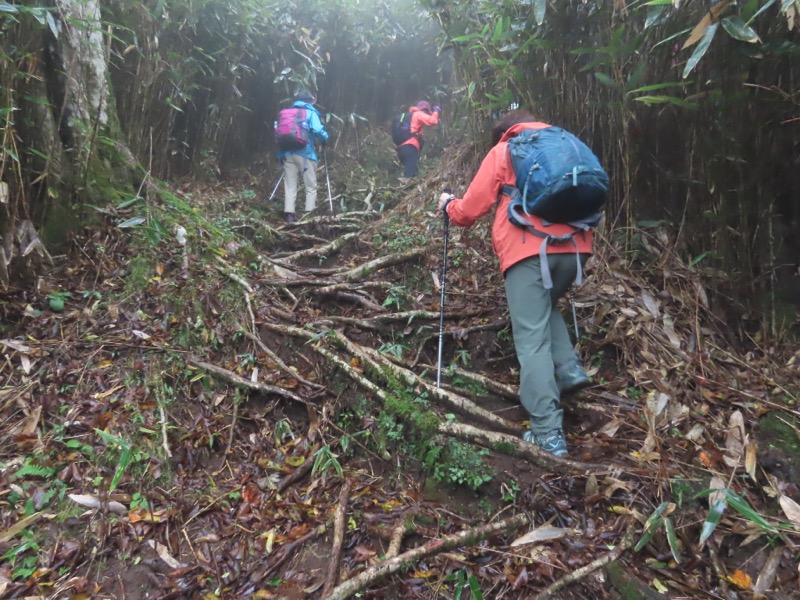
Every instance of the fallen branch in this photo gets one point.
(573, 576)
(403, 561)
(239, 381)
(338, 539)
(514, 446)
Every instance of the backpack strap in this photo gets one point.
(516, 215)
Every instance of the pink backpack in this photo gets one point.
(291, 131)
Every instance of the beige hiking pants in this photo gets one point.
(293, 166)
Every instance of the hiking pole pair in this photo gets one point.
(441, 300)
(327, 177)
(272, 195)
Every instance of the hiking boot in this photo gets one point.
(290, 217)
(570, 377)
(552, 442)
(403, 180)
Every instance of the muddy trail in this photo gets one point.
(250, 410)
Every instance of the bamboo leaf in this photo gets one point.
(666, 100)
(712, 520)
(132, 222)
(539, 9)
(498, 31)
(606, 80)
(761, 10)
(659, 86)
(701, 29)
(701, 49)
(672, 539)
(8, 8)
(738, 30)
(741, 506)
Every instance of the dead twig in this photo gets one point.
(338, 539)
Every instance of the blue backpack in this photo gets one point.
(560, 180)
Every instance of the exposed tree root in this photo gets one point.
(325, 250)
(363, 271)
(332, 577)
(278, 361)
(378, 322)
(449, 399)
(514, 446)
(356, 298)
(240, 381)
(380, 571)
(501, 389)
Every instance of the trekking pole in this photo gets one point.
(574, 316)
(441, 300)
(327, 177)
(272, 195)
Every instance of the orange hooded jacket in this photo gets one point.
(419, 118)
(511, 243)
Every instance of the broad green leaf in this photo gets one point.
(712, 520)
(539, 10)
(672, 539)
(701, 49)
(132, 222)
(8, 8)
(737, 29)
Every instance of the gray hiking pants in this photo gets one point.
(541, 338)
(294, 166)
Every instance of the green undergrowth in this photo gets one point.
(407, 425)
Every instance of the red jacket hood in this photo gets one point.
(514, 130)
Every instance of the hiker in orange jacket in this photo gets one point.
(549, 366)
(422, 115)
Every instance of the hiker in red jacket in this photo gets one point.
(422, 115)
(549, 366)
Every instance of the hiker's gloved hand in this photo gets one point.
(437, 109)
(445, 199)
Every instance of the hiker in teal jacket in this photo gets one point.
(303, 161)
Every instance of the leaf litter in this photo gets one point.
(224, 491)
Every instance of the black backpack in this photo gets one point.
(401, 128)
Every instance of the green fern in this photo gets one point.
(36, 471)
